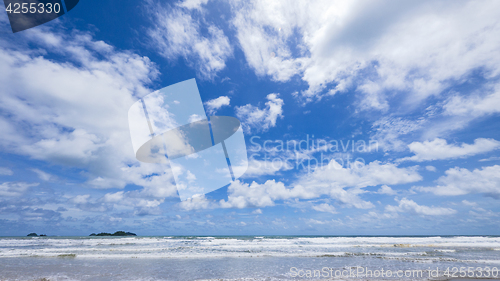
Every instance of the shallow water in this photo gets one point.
(253, 258)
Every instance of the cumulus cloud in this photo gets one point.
(216, 104)
(333, 180)
(475, 105)
(342, 184)
(410, 206)
(324, 207)
(194, 118)
(136, 202)
(461, 181)
(257, 212)
(175, 33)
(81, 199)
(73, 113)
(439, 149)
(243, 195)
(113, 197)
(61, 148)
(430, 168)
(387, 55)
(261, 119)
(196, 202)
(385, 189)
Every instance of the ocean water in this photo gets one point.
(249, 258)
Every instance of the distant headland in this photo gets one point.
(35, 235)
(118, 233)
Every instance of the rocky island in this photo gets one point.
(35, 235)
(118, 233)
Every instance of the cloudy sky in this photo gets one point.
(415, 86)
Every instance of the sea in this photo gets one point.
(250, 258)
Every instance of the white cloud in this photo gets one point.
(195, 203)
(384, 189)
(81, 199)
(176, 34)
(73, 113)
(194, 118)
(313, 221)
(491, 158)
(333, 179)
(113, 197)
(192, 4)
(475, 105)
(410, 206)
(389, 130)
(243, 195)
(342, 184)
(15, 188)
(324, 207)
(261, 119)
(61, 149)
(42, 175)
(137, 202)
(439, 149)
(257, 212)
(415, 48)
(263, 29)
(430, 168)
(468, 203)
(460, 181)
(216, 104)
(6, 171)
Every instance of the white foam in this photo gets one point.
(445, 250)
(408, 248)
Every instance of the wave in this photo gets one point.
(417, 249)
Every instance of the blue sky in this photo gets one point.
(418, 83)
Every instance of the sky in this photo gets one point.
(360, 117)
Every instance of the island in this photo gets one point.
(36, 235)
(118, 233)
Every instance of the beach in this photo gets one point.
(249, 258)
